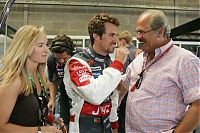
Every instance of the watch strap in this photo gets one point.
(39, 129)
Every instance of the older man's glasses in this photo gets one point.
(141, 32)
(139, 81)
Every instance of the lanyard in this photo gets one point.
(40, 80)
(160, 56)
(42, 99)
(143, 69)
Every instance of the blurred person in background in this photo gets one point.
(125, 38)
(62, 49)
(23, 83)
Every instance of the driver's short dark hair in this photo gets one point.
(96, 24)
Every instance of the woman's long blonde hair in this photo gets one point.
(12, 64)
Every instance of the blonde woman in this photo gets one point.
(22, 82)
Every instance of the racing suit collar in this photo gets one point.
(97, 56)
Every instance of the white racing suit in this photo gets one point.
(90, 81)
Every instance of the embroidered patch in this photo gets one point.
(79, 73)
(98, 68)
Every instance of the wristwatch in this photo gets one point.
(39, 130)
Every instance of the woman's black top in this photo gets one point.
(26, 111)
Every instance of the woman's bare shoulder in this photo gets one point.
(14, 86)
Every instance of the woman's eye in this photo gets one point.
(40, 44)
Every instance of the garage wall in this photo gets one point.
(71, 17)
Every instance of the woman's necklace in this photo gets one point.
(33, 81)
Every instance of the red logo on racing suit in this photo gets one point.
(97, 110)
(79, 73)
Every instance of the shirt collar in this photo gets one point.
(161, 49)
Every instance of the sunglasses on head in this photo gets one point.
(139, 81)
